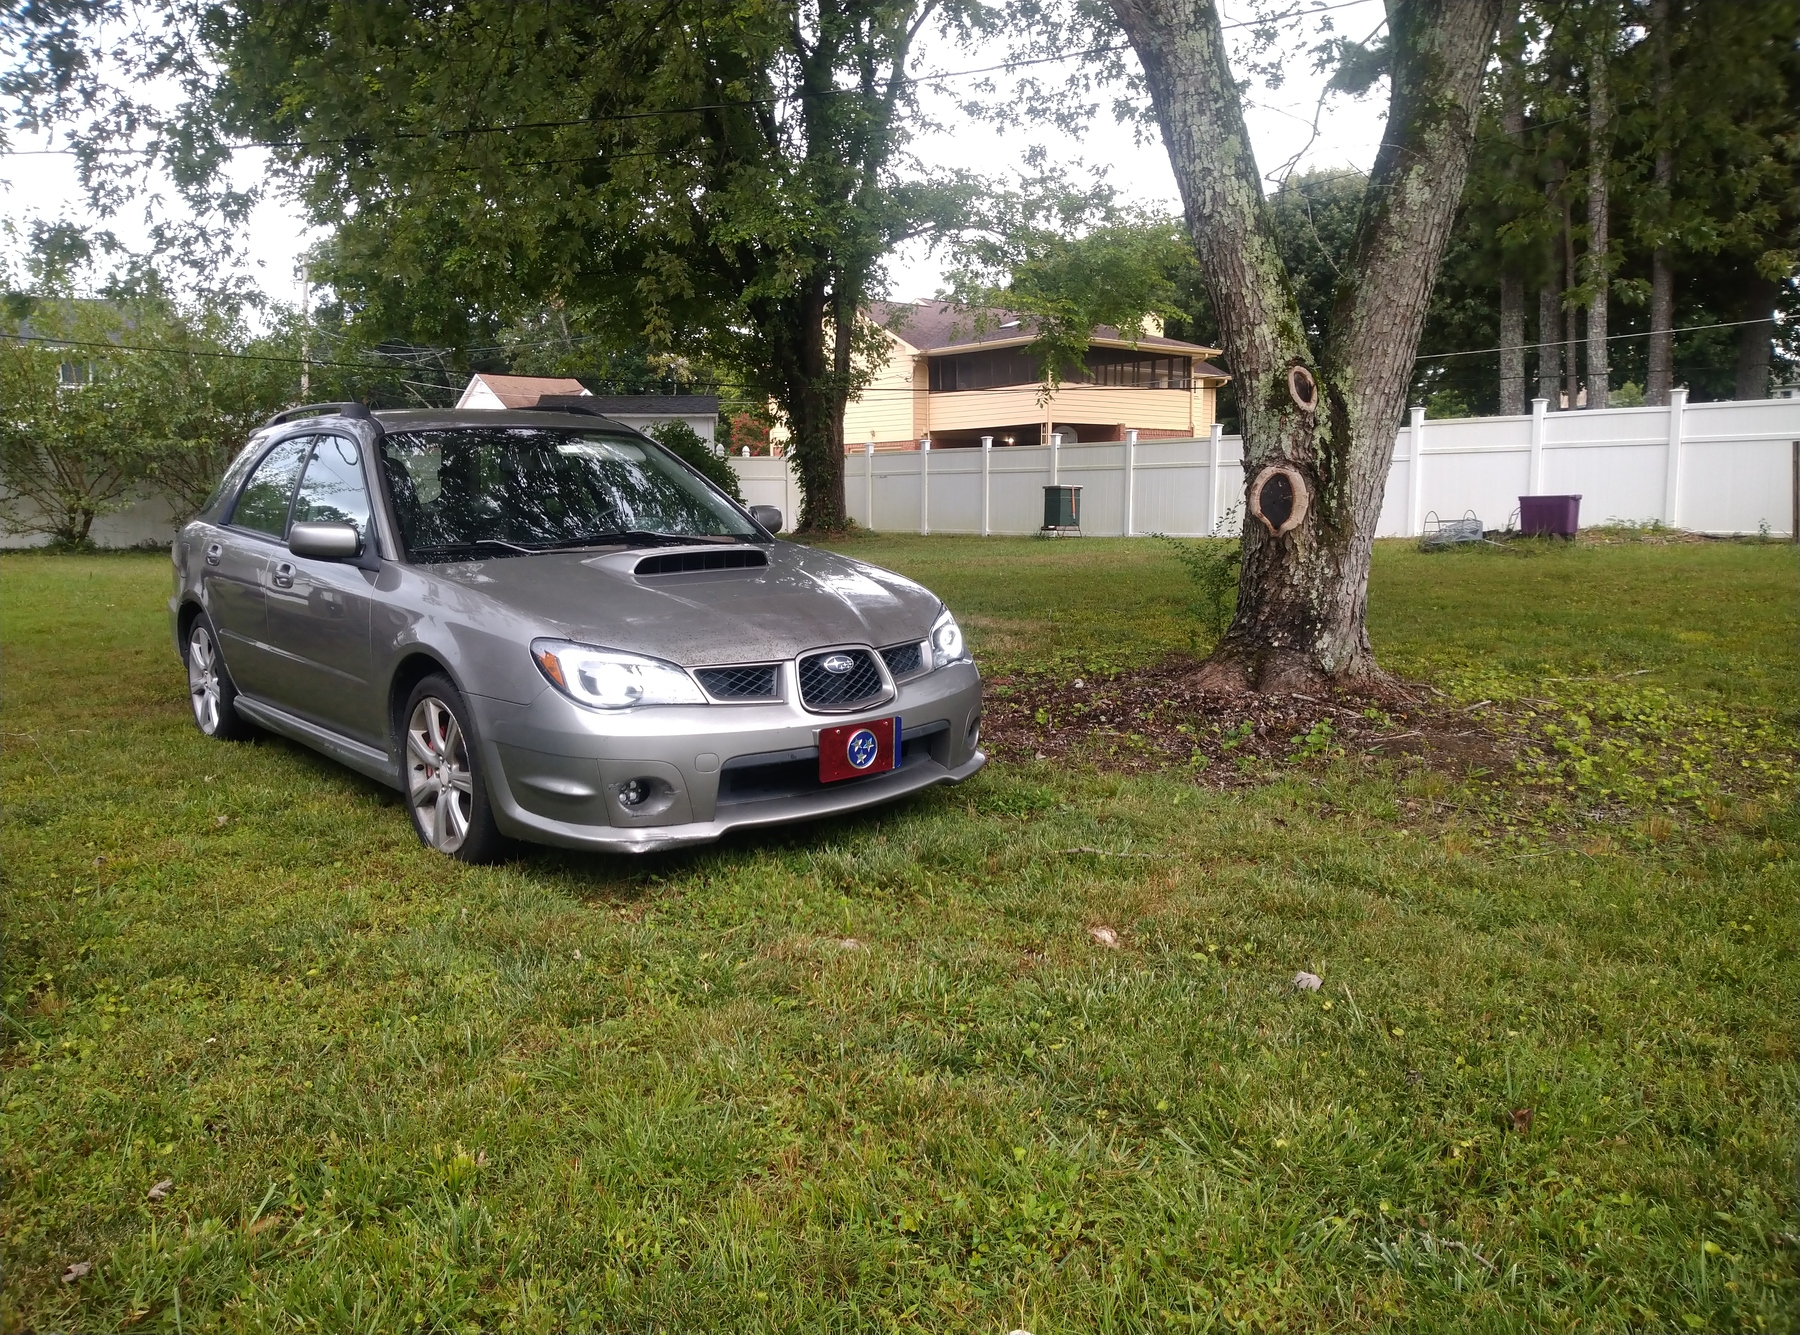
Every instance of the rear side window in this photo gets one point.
(332, 490)
(233, 475)
(263, 506)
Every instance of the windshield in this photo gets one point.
(490, 490)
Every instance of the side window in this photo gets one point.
(263, 506)
(332, 490)
(233, 475)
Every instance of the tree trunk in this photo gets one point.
(1549, 344)
(1329, 421)
(1512, 282)
(1755, 341)
(1571, 315)
(811, 398)
(1659, 380)
(1599, 247)
(1512, 343)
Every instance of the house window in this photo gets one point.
(73, 374)
(1138, 370)
(984, 370)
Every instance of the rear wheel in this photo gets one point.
(210, 691)
(445, 792)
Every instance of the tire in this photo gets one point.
(211, 693)
(446, 793)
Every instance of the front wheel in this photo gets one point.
(445, 793)
(210, 690)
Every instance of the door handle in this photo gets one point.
(213, 552)
(284, 575)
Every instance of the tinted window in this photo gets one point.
(332, 490)
(233, 476)
(469, 490)
(264, 503)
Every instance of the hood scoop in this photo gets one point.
(692, 562)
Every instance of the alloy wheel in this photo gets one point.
(439, 783)
(203, 679)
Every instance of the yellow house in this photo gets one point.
(946, 380)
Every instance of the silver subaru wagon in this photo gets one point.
(545, 625)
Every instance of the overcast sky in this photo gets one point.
(1281, 126)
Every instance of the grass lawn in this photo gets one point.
(877, 1072)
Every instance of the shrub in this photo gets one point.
(682, 440)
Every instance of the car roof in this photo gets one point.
(438, 419)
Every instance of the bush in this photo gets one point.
(683, 441)
(90, 427)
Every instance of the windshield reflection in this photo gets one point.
(497, 491)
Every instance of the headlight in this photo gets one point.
(946, 641)
(605, 679)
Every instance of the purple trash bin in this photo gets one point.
(1556, 515)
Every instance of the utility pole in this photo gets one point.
(305, 338)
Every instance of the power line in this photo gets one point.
(1610, 338)
(620, 117)
(53, 342)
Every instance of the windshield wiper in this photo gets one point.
(473, 545)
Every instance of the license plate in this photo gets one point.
(854, 749)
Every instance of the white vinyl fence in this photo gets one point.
(1711, 467)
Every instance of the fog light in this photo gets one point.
(630, 794)
(974, 734)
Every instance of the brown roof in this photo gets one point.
(935, 326)
(523, 391)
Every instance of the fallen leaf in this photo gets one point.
(1105, 936)
(1521, 1119)
(1308, 982)
(267, 1221)
(850, 943)
(221, 821)
(161, 1189)
(1042, 756)
(76, 1271)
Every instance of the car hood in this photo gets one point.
(802, 599)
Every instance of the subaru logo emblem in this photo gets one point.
(839, 663)
(862, 748)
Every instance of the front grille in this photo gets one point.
(741, 683)
(903, 659)
(833, 692)
(725, 558)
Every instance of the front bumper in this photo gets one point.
(555, 770)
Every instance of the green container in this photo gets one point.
(1062, 507)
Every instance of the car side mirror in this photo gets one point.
(768, 516)
(325, 542)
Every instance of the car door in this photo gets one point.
(238, 557)
(318, 611)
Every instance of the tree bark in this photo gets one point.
(811, 397)
(1512, 282)
(1303, 592)
(1659, 380)
(1755, 340)
(1549, 344)
(1599, 247)
(1571, 314)
(1512, 343)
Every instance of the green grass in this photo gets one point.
(574, 1093)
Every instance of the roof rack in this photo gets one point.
(358, 411)
(566, 403)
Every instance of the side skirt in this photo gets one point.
(363, 759)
